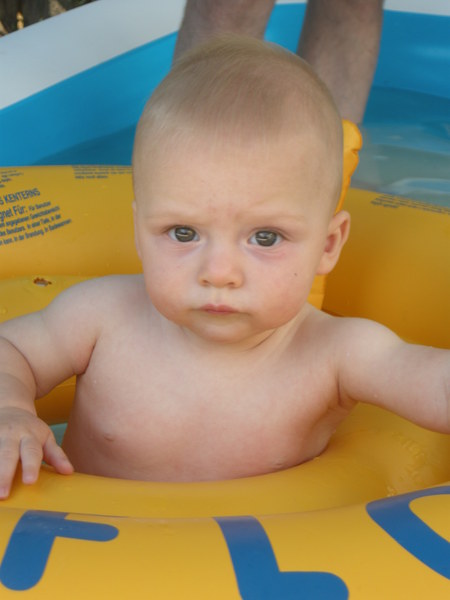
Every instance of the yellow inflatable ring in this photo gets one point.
(363, 520)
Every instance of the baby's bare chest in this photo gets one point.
(158, 380)
(202, 416)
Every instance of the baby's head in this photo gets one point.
(237, 171)
(240, 92)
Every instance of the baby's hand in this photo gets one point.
(26, 438)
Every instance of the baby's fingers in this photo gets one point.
(31, 457)
(9, 457)
(55, 456)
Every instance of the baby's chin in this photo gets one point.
(226, 331)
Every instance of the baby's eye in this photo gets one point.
(265, 238)
(183, 234)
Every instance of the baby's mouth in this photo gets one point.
(219, 309)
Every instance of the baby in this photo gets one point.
(212, 364)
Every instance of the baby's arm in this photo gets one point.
(37, 352)
(377, 367)
(23, 436)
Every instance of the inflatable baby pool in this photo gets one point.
(367, 519)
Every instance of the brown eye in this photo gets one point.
(183, 234)
(265, 238)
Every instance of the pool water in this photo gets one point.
(406, 148)
(111, 149)
(58, 431)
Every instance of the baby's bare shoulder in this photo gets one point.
(354, 332)
(350, 328)
(87, 310)
(58, 341)
(99, 295)
(115, 287)
(344, 336)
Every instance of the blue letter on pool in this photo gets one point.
(31, 542)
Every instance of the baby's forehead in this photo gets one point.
(234, 148)
(285, 166)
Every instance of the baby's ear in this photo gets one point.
(136, 236)
(338, 231)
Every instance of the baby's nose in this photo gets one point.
(221, 267)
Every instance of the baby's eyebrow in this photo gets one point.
(173, 217)
(166, 212)
(283, 218)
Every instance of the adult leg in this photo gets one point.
(340, 39)
(206, 18)
(34, 11)
(8, 14)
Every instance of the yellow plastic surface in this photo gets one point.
(395, 267)
(68, 220)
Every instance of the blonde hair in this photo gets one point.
(245, 88)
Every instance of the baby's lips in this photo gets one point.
(219, 309)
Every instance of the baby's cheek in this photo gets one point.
(167, 300)
(296, 294)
